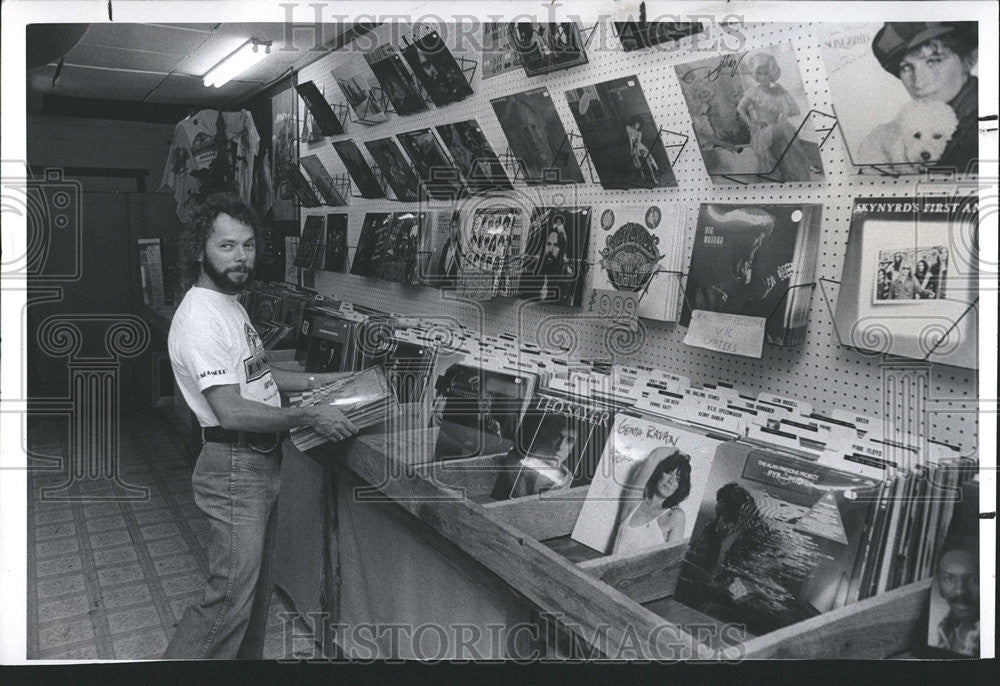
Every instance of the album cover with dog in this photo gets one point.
(436, 68)
(398, 86)
(647, 487)
(750, 115)
(321, 178)
(402, 246)
(537, 138)
(370, 243)
(479, 410)
(905, 93)
(639, 250)
(546, 47)
(554, 256)
(636, 35)
(558, 445)
(320, 109)
(395, 169)
(335, 248)
(776, 538)
(359, 85)
(357, 167)
(909, 278)
(309, 254)
(474, 156)
(750, 260)
(439, 179)
(621, 135)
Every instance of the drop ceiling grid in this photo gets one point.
(820, 371)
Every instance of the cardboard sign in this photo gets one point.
(735, 334)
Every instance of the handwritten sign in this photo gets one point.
(619, 307)
(736, 334)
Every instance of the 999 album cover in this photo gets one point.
(537, 138)
(750, 114)
(547, 47)
(397, 83)
(621, 135)
(474, 156)
(438, 177)
(906, 93)
(358, 84)
(436, 68)
(358, 168)
(395, 169)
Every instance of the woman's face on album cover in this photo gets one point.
(932, 72)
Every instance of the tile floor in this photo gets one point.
(110, 580)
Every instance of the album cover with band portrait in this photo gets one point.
(438, 177)
(320, 109)
(554, 255)
(396, 170)
(359, 85)
(906, 94)
(438, 71)
(474, 157)
(358, 168)
(537, 138)
(546, 47)
(750, 114)
(621, 135)
(397, 84)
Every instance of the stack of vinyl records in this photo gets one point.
(364, 397)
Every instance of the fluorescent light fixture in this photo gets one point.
(241, 59)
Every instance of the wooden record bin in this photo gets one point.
(524, 546)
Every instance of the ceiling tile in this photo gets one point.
(203, 28)
(144, 37)
(208, 54)
(85, 82)
(119, 58)
(188, 90)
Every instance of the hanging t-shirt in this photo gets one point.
(212, 343)
(194, 148)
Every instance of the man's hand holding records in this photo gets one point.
(329, 422)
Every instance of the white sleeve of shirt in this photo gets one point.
(207, 355)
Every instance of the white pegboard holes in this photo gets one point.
(819, 371)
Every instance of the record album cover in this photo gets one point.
(360, 87)
(309, 253)
(486, 249)
(358, 168)
(559, 443)
(402, 245)
(621, 136)
(647, 487)
(474, 157)
(443, 231)
(750, 114)
(479, 410)
(396, 170)
(397, 84)
(323, 114)
(905, 93)
(438, 177)
(537, 138)
(499, 55)
(324, 183)
(555, 255)
(546, 47)
(436, 68)
(371, 242)
(909, 278)
(746, 260)
(776, 538)
(335, 257)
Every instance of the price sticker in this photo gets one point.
(618, 307)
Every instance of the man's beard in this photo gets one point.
(222, 280)
(551, 265)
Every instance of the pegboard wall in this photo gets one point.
(820, 371)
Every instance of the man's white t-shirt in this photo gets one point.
(212, 343)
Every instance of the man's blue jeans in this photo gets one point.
(236, 486)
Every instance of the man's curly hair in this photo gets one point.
(195, 234)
